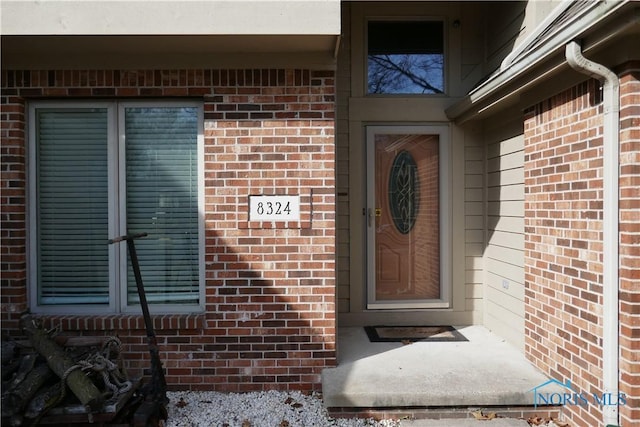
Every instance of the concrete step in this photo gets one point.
(483, 371)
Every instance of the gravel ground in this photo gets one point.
(288, 409)
(259, 409)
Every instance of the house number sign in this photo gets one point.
(274, 208)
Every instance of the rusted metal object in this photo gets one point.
(38, 372)
(34, 393)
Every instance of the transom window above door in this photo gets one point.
(405, 57)
(105, 169)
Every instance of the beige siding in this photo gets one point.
(504, 25)
(474, 215)
(508, 25)
(504, 253)
(472, 47)
(343, 240)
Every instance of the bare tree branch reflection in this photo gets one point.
(406, 73)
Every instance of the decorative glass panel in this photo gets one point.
(404, 191)
(405, 57)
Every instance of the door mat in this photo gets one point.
(413, 333)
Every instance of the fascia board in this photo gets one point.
(162, 17)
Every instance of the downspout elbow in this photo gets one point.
(610, 221)
(578, 62)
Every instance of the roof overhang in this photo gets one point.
(185, 51)
(187, 17)
(608, 31)
(112, 34)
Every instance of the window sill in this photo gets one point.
(122, 322)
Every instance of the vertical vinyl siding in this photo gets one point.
(504, 255)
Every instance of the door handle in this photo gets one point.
(370, 214)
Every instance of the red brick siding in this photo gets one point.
(630, 242)
(13, 230)
(270, 291)
(563, 242)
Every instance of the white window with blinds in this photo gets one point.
(102, 170)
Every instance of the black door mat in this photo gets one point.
(413, 333)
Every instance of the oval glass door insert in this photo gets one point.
(403, 192)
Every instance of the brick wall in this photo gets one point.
(270, 288)
(630, 241)
(563, 242)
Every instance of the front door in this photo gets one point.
(404, 217)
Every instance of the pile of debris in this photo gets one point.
(35, 378)
(50, 379)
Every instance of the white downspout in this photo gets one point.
(610, 236)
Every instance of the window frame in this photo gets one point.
(405, 18)
(116, 184)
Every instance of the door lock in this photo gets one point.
(371, 213)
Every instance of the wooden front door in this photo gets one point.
(403, 218)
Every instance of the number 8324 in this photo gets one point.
(273, 208)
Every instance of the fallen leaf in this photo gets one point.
(246, 423)
(181, 403)
(479, 415)
(292, 402)
(559, 423)
(535, 421)
(284, 423)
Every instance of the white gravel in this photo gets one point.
(258, 409)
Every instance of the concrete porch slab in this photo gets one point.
(484, 371)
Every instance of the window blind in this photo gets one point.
(72, 195)
(162, 200)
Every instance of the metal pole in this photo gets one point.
(158, 382)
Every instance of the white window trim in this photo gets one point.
(117, 252)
